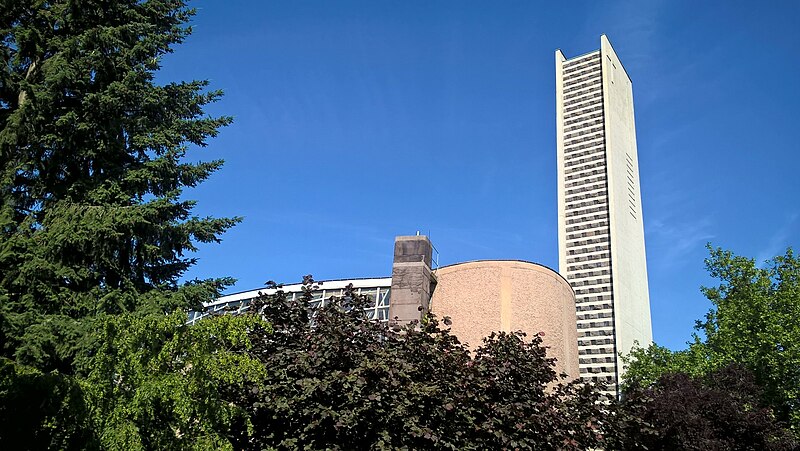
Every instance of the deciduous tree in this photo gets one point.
(722, 410)
(339, 380)
(755, 322)
(156, 381)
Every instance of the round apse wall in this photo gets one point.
(482, 297)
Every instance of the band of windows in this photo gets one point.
(601, 259)
(585, 131)
(596, 263)
(589, 147)
(596, 351)
(592, 142)
(581, 68)
(595, 324)
(581, 300)
(596, 152)
(592, 97)
(581, 94)
(582, 184)
(577, 64)
(580, 59)
(603, 369)
(587, 203)
(589, 84)
(589, 233)
(581, 124)
(586, 169)
(594, 103)
(585, 308)
(587, 250)
(588, 117)
(596, 145)
(582, 280)
(571, 82)
(598, 341)
(587, 225)
(572, 114)
(586, 221)
(582, 175)
(598, 271)
(600, 156)
(572, 67)
(593, 290)
(601, 193)
(597, 360)
(600, 240)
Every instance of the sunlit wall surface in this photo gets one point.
(601, 232)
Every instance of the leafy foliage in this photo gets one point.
(755, 322)
(721, 411)
(43, 410)
(645, 366)
(339, 380)
(155, 382)
(95, 353)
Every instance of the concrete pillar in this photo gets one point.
(412, 278)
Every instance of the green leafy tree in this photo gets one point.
(755, 322)
(156, 381)
(645, 366)
(339, 380)
(94, 158)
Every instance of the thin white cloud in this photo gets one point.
(779, 240)
(635, 22)
(674, 241)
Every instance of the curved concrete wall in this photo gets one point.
(486, 296)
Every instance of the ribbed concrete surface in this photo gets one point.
(486, 296)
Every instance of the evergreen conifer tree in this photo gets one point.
(92, 168)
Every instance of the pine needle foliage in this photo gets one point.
(93, 163)
(95, 228)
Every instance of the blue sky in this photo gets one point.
(359, 121)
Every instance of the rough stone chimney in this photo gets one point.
(412, 278)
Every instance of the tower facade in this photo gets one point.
(600, 227)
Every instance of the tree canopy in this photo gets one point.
(94, 226)
(156, 381)
(722, 410)
(92, 168)
(339, 380)
(96, 236)
(755, 322)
